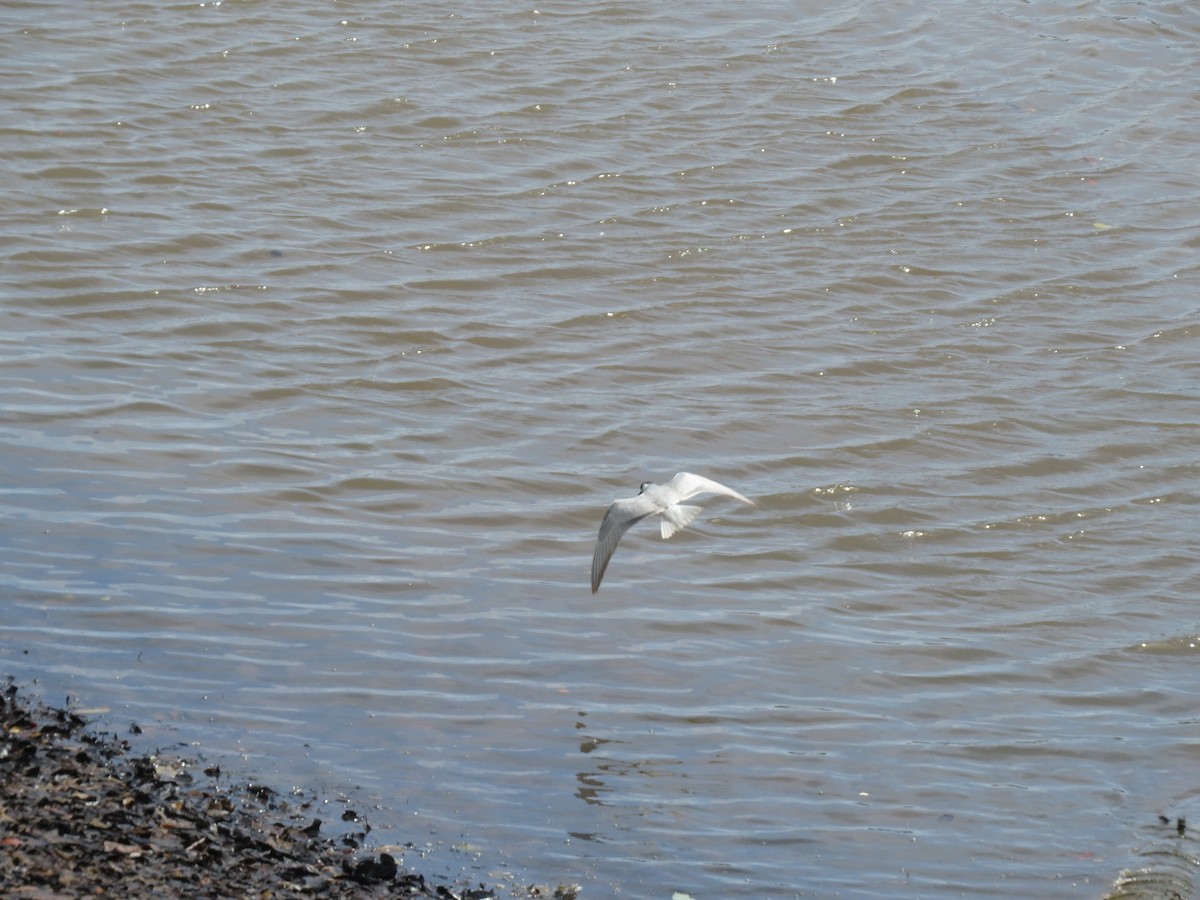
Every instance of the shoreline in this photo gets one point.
(84, 814)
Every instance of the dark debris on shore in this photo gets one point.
(82, 815)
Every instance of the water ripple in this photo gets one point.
(327, 339)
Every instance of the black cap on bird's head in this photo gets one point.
(645, 484)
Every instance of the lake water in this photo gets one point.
(328, 331)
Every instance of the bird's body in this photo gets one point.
(663, 500)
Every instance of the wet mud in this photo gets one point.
(83, 815)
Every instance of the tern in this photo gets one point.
(663, 500)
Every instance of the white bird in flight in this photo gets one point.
(664, 500)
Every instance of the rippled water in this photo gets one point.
(330, 330)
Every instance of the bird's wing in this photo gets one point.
(687, 485)
(622, 515)
(677, 516)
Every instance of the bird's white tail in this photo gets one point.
(676, 517)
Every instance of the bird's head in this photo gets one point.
(645, 484)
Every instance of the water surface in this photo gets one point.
(328, 332)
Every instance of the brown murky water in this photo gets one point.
(328, 332)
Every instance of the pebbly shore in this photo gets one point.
(82, 814)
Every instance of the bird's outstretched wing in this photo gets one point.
(620, 517)
(687, 485)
